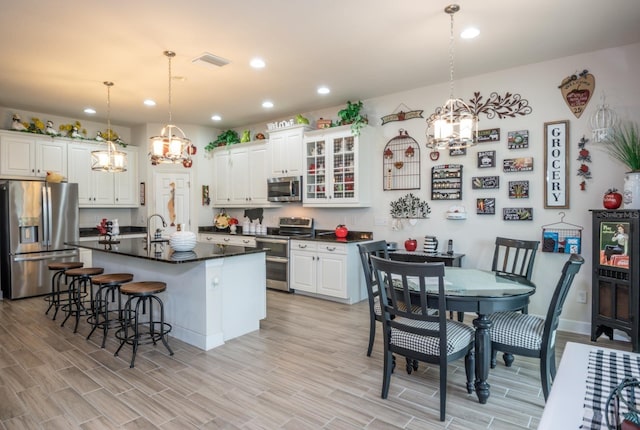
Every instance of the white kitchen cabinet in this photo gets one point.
(285, 151)
(327, 269)
(102, 189)
(241, 175)
(31, 155)
(338, 167)
(227, 239)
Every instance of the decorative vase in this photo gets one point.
(182, 240)
(631, 194)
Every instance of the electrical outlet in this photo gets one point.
(582, 297)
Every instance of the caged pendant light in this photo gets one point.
(169, 147)
(453, 125)
(109, 159)
(602, 122)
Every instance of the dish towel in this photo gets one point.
(606, 371)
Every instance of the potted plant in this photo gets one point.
(352, 115)
(624, 146)
(227, 138)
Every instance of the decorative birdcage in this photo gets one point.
(401, 163)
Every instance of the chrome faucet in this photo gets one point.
(164, 224)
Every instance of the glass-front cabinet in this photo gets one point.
(334, 166)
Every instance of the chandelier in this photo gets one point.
(171, 146)
(602, 122)
(453, 125)
(109, 159)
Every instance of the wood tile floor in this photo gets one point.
(306, 368)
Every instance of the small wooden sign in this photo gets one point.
(486, 159)
(517, 214)
(518, 189)
(489, 135)
(485, 182)
(522, 164)
(518, 139)
(486, 206)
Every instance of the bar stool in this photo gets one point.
(78, 292)
(144, 294)
(101, 315)
(54, 298)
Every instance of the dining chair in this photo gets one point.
(379, 249)
(534, 336)
(415, 332)
(514, 257)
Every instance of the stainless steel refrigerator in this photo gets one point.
(36, 219)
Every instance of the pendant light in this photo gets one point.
(109, 159)
(169, 147)
(453, 125)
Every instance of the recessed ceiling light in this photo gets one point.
(267, 104)
(470, 33)
(216, 118)
(257, 63)
(323, 90)
(149, 102)
(90, 111)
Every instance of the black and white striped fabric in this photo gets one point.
(606, 371)
(516, 329)
(458, 337)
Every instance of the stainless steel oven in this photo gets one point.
(278, 249)
(277, 261)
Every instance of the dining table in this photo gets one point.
(482, 292)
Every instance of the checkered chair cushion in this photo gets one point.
(459, 336)
(517, 329)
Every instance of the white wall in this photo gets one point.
(615, 72)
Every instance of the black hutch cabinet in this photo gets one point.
(616, 273)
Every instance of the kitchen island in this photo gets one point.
(214, 293)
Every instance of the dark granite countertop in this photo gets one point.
(162, 252)
(93, 232)
(319, 235)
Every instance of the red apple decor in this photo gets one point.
(612, 199)
(341, 231)
(410, 245)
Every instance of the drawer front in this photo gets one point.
(303, 245)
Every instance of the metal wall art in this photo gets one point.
(518, 139)
(583, 157)
(486, 159)
(485, 182)
(402, 115)
(556, 160)
(577, 90)
(401, 163)
(486, 206)
(518, 189)
(507, 106)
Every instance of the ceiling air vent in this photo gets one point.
(210, 60)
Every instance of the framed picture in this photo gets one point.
(517, 214)
(486, 159)
(522, 164)
(518, 189)
(518, 139)
(556, 161)
(489, 135)
(457, 151)
(142, 194)
(485, 182)
(486, 206)
(614, 244)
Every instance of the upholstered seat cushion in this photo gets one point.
(459, 336)
(517, 329)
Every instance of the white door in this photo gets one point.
(172, 197)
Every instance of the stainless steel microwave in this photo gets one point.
(285, 189)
